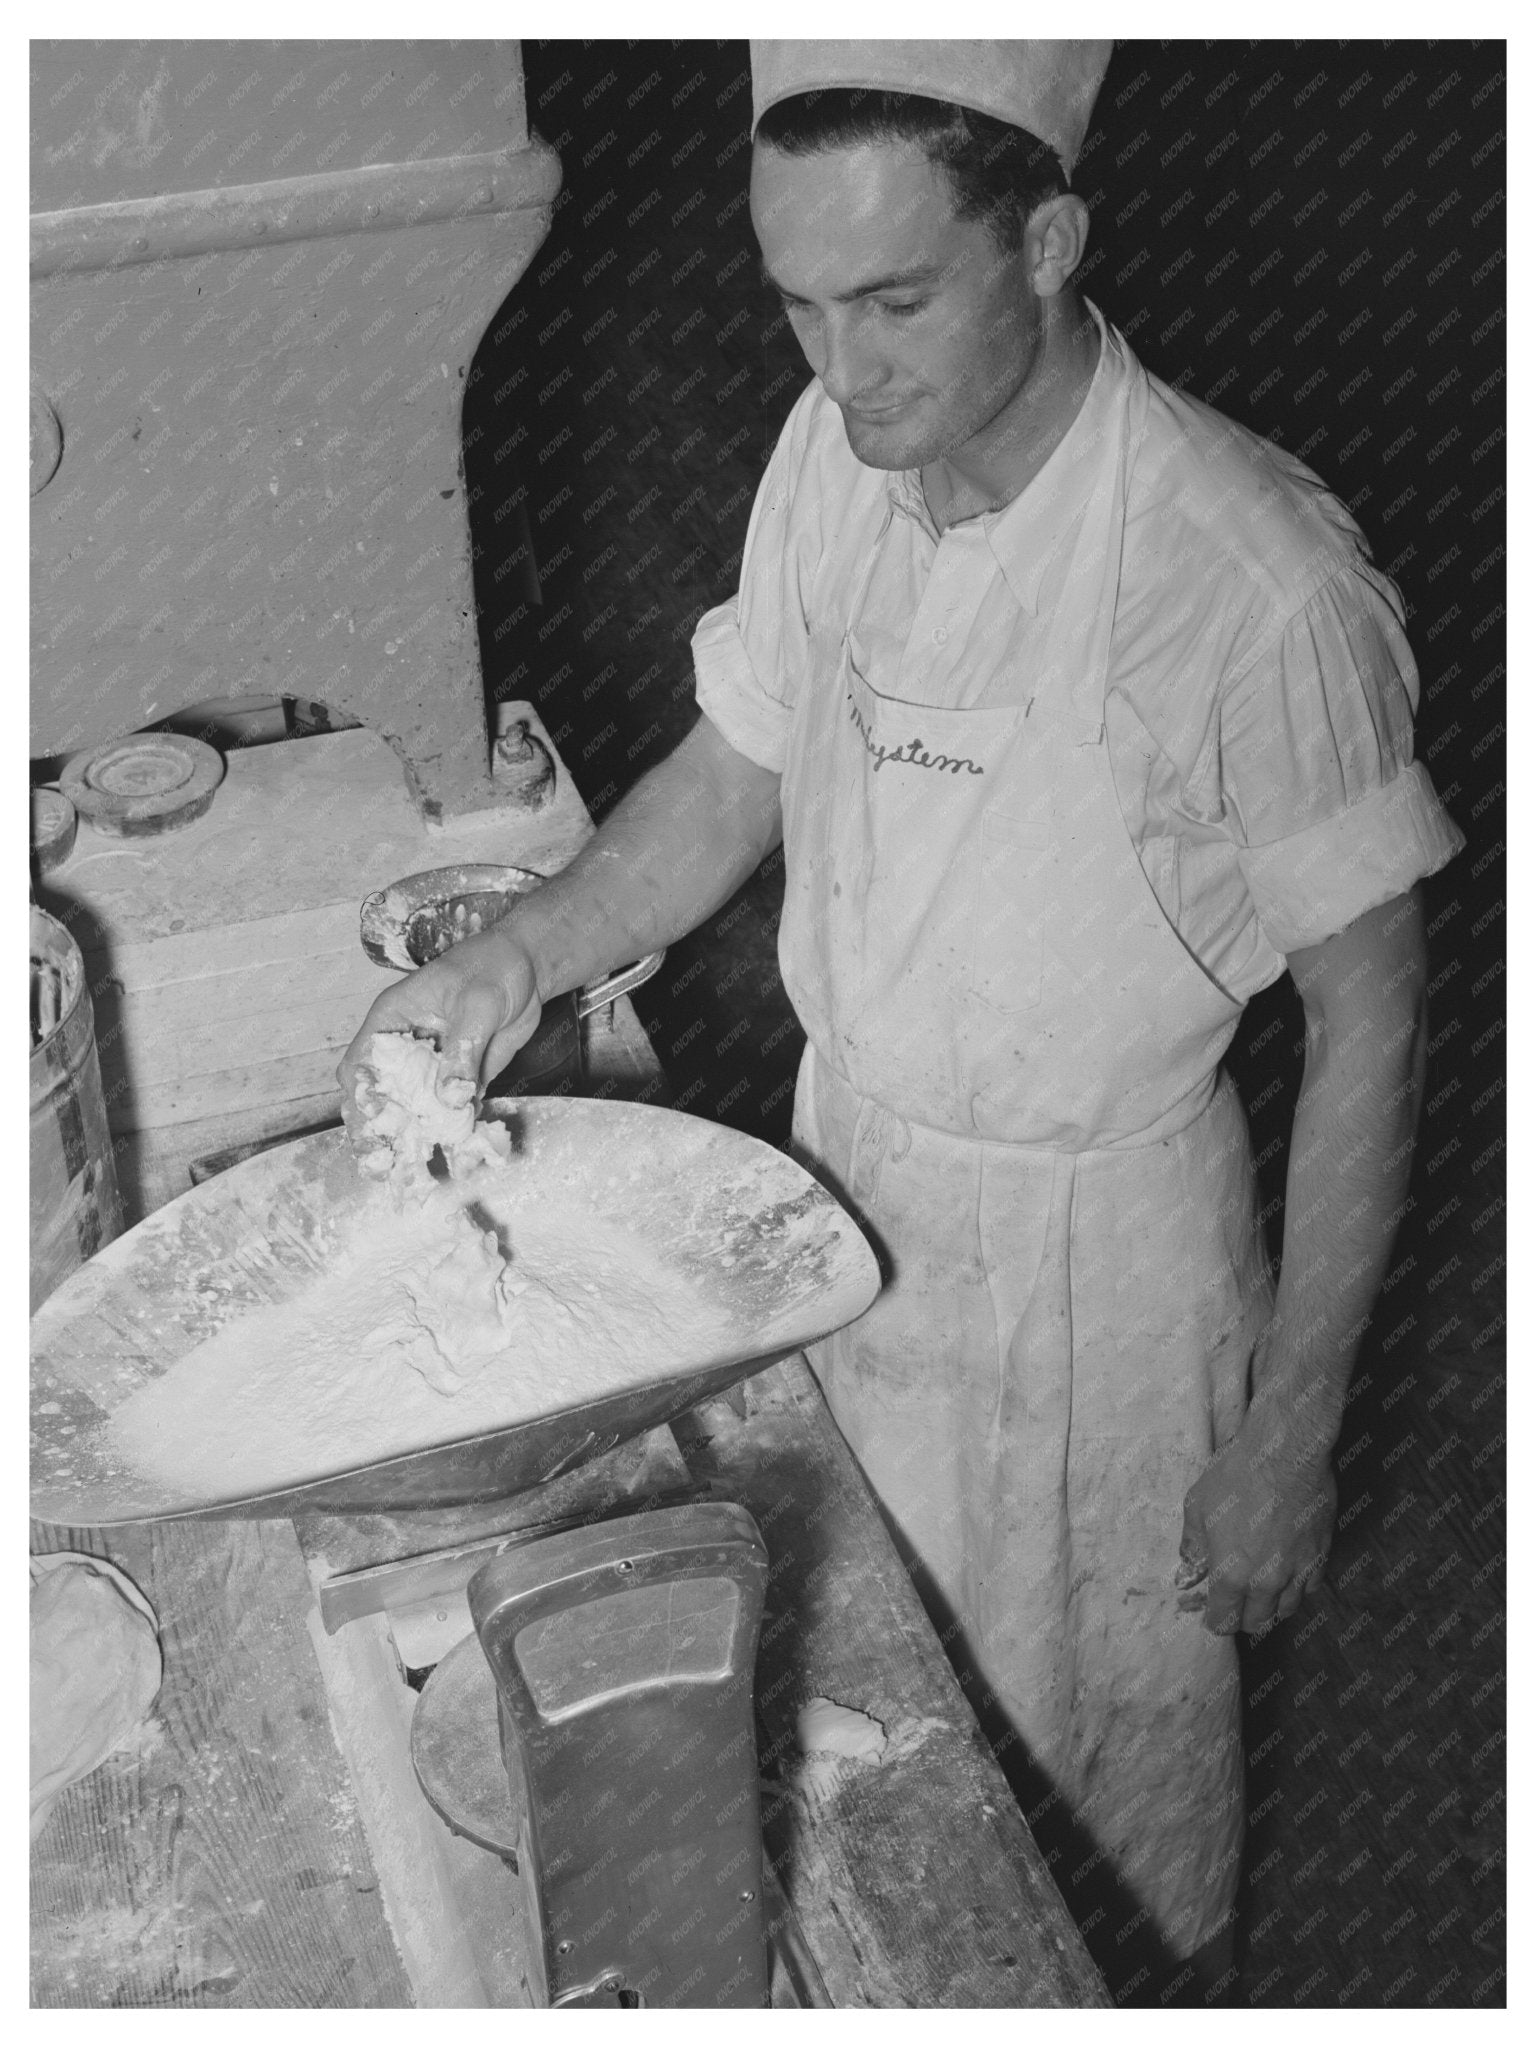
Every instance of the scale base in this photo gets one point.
(456, 1750)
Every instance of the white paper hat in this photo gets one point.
(1047, 87)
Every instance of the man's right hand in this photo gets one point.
(675, 849)
(479, 1000)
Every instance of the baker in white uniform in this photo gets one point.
(1083, 716)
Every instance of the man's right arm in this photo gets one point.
(678, 846)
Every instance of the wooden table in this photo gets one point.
(265, 1847)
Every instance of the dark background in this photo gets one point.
(1310, 237)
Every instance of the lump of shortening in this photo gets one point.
(451, 1307)
(405, 1112)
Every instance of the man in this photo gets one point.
(1082, 715)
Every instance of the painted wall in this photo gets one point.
(259, 276)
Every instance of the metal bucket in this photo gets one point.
(75, 1207)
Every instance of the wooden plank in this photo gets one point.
(153, 1167)
(234, 955)
(265, 1083)
(225, 1864)
(915, 1879)
(414, 1851)
(292, 1023)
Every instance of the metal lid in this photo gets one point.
(148, 782)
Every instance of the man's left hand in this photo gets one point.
(1260, 1530)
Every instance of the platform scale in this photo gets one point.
(588, 1615)
(583, 1723)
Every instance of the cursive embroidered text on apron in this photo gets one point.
(910, 753)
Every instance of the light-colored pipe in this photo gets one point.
(371, 199)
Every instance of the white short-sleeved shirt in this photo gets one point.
(1259, 709)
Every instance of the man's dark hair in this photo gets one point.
(998, 174)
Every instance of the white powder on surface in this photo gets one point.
(824, 1727)
(420, 1332)
(831, 1736)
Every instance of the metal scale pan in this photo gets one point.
(754, 1234)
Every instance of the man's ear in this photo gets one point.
(1055, 242)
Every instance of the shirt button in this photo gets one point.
(940, 636)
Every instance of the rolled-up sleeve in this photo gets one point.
(1312, 885)
(730, 693)
(1331, 813)
(750, 653)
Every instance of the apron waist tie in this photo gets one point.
(882, 1132)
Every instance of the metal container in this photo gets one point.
(75, 1206)
(419, 917)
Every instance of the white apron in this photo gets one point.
(1012, 1080)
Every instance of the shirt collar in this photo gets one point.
(1026, 532)
(904, 488)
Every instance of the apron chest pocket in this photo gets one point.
(1008, 937)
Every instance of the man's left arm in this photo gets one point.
(1260, 1517)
